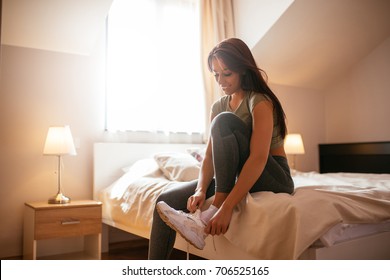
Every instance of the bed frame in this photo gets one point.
(109, 158)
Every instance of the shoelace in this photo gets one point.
(215, 248)
(188, 244)
(188, 215)
(188, 248)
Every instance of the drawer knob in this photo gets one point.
(70, 222)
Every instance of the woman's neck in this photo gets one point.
(236, 99)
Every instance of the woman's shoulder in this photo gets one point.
(220, 105)
(223, 99)
(257, 95)
(254, 98)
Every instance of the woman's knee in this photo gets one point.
(224, 122)
(163, 197)
(223, 118)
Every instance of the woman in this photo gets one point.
(245, 153)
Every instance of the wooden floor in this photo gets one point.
(138, 250)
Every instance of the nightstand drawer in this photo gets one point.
(62, 222)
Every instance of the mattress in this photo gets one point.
(346, 232)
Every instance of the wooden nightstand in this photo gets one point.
(47, 221)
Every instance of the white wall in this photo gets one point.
(357, 108)
(39, 89)
(304, 110)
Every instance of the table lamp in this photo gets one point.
(293, 145)
(59, 142)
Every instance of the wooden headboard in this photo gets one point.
(369, 157)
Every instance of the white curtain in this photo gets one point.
(217, 23)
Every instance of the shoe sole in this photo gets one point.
(172, 226)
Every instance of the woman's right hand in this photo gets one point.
(196, 201)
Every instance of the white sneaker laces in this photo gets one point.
(188, 249)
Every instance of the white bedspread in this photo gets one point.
(265, 224)
(130, 200)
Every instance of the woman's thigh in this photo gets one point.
(275, 177)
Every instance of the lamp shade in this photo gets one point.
(59, 141)
(293, 144)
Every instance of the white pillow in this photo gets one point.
(178, 166)
(143, 168)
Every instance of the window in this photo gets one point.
(154, 80)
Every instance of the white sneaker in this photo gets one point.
(189, 226)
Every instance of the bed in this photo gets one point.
(342, 212)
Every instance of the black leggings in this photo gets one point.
(230, 143)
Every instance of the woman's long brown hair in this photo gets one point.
(238, 58)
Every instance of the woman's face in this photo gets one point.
(229, 81)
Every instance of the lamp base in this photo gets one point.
(59, 198)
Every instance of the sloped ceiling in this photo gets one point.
(315, 42)
(70, 26)
(253, 18)
(311, 44)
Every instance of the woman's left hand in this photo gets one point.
(219, 223)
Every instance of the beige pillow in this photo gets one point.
(178, 166)
(143, 168)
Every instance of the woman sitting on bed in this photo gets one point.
(245, 153)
